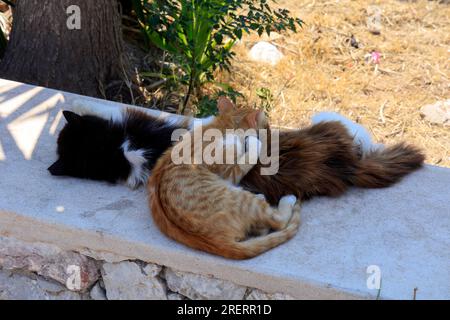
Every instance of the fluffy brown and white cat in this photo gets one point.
(201, 206)
(328, 157)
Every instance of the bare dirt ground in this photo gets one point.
(321, 69)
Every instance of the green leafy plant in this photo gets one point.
(207, 104)
(200, 34)
(266, 99)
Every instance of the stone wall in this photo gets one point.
(43, 271)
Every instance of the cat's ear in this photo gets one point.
(71, 117)
(57, 169)
(224, 104)
(255, 118)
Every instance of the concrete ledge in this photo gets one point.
(404, 230)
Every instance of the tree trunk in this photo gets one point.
(44, 51)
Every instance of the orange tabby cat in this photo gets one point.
(201, 206)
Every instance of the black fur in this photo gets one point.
(91, 147)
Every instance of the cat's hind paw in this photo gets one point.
(285, 208)
(288, 200)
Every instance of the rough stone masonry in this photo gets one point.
(39, 271)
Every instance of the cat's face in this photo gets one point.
(231, 117)
(246, 121)
(241, 145)
(90, 147)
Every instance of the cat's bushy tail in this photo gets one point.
(383, 167)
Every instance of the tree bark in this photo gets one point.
(43, 50)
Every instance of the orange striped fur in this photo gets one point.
(202, 207)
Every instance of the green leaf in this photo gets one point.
(238, 33)
(260, 31)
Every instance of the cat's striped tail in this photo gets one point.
(256, 246)
(383, 167)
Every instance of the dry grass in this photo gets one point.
(322, 71)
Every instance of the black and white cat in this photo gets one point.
(106, 143)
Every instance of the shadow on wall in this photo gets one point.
(28, 115)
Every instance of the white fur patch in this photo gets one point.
(260, 196)
(360, 135)
(285, 206)
(173, 121)
(197, 122)
(287, 201)
(233, 187)
(138, 174)
(104, 111)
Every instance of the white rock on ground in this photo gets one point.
(20, 287)
(437, 113)
(198, 287)
(265, 52)
(373, 21)
(48, 261)
(257, 294)
(128, 281)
